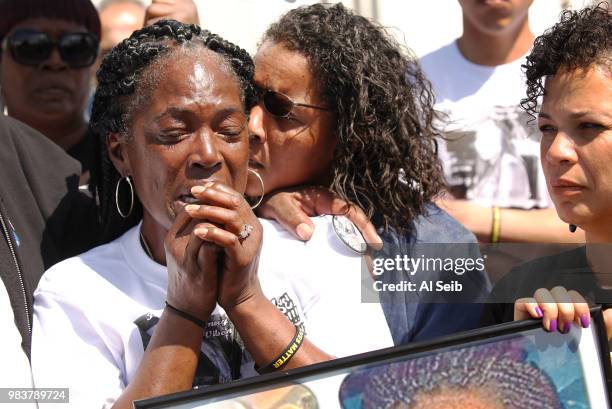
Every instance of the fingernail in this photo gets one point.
(197, 189)
(192, 208)
(304, 231)
(566, 328)
(539, 312)
(584, 320)
(201, 232)
(553, 326)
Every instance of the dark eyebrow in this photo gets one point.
(172, 111)
(575, 115)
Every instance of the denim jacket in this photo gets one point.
(421, 315)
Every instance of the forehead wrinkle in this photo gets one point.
(152, 75)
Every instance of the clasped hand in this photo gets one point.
(208, 258)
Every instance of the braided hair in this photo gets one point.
(386, 158)
(125, 80)
(501, 372)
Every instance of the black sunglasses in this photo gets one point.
(33, 47)
(281, 105)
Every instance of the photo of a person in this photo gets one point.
(492, 376)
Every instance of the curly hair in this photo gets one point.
(386, 156)
(579, 40)
(126, 78)
(499, 371)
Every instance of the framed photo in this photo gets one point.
(514, 365)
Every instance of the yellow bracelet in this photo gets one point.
(496, 225)
(280, 361)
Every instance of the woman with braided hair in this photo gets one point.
(183, 293)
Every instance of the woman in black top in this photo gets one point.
(570, 68)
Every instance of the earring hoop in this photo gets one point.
(261, 182)
(129, 182)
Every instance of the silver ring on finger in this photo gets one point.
(246, 231)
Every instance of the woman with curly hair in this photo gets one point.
(184, 292)
(349, 113)
(570, 71)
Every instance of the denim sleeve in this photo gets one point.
(422, 315)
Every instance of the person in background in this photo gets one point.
(489, 152)
(47, 52)
(184, 11)
(119, 19)
(44, 218)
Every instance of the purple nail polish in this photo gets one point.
(584, 321)
(539, 312)
(566, 328)
(553, 326)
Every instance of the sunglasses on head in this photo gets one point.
(280, 105)
(33, 47)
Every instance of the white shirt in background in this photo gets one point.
(491, 154)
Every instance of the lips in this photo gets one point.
(52, 89)
(564, 183)
(567, 188)
(51, 82)
(184, 196)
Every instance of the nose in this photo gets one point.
(54, 62)
(560, 150)
(257, 129)
(205, 157)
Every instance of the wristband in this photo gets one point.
(496, 224)
(282, 360)
(187, 316)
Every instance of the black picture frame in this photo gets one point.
(367, 360)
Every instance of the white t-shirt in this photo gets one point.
(85, 337)
(492, 151)
(14, 366)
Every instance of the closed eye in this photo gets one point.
(170, 136)
(546, 128)
(591, 125)
(232, 128)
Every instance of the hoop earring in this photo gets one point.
(129, 212)
(261, 182)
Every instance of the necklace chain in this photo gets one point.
(145, 246)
